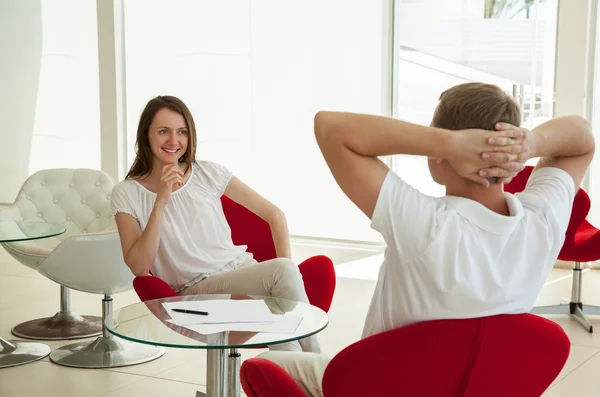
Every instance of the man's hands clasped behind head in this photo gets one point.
(478, 154)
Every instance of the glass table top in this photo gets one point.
(11, 231)
(149, 322)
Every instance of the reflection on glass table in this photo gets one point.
(19, 352)
(11, 231)
(149, 322)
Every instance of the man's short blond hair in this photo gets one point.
(475, 105)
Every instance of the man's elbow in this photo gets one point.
(583, 125)
(582, 122)
(322, 124)
(326, 131)
(586, 126)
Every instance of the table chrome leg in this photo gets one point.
(216, 367)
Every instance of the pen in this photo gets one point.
(190, 312)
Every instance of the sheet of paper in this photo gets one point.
(220, 311)
(281, 325)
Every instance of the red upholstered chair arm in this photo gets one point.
(150, 287)
(318, 274)
(264, 378)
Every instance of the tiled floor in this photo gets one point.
(24, 294)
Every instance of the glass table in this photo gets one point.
(149, 322)
(19, 352)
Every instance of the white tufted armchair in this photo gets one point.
(102, 272)
(78, 199)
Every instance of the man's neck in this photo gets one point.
(492, 198)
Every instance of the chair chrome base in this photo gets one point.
(13, 353)
(63, 325)
(575, 307)
(105, 352)
(577, 310)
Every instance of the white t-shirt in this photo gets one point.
(195, 238)
(451, 257)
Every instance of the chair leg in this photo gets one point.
(107, 351)
(575, 307)
(16, 352)
(65, 324)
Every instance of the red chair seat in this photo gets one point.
(506, 355)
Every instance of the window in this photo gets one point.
(444, 43)
(67, 114)
(50, 114)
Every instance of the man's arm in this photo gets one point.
(565, 142)
(351, 142)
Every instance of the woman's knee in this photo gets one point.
(285, 267)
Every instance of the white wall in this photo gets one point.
(49, 77)
(21, 49)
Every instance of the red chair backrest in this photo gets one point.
(506, 355)
(249, 229)
(520, 181)
(580, 210)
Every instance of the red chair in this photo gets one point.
(498, 356)
(582, 244)
(249, 229)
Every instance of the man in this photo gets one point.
(475, 252)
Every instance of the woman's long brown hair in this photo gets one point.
(142, 165)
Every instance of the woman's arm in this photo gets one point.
(244, 195)
(140, 247)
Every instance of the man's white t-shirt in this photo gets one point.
(450, 257)
(195, 238)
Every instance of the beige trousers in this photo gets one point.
(306, 369)
(279, 278)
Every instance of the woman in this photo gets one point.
(171, 222)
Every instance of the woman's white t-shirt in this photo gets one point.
(195, 239)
